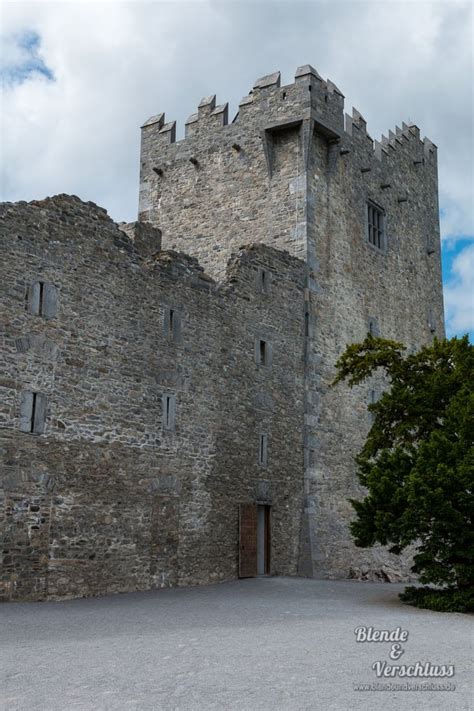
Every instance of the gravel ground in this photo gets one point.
(265, 643)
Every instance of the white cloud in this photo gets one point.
(459, 293)
(73, 102)
(115, 64)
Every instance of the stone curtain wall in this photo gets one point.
(293, 171)
(144, 379)
(107, 499)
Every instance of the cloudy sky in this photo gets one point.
(79, 78)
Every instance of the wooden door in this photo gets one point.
(263, 539)
(248, 521)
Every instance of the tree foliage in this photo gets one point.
(417, 462)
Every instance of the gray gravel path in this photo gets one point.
(269, 643)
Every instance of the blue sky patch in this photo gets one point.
(449, 251)
(21, 59)
(462, 287)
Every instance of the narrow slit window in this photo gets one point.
(172, 325)
(373, 398)
(33, 410)
(263, 353)
(169, 411)
(373, 327)
(41, 297)
(371, 402)
(263, 281)
(263, 450)
(431, 321)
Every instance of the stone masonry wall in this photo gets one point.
(225, 184)
(353, 283)
(107, 499)
(294, 172)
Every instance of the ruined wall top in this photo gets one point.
(64, 227)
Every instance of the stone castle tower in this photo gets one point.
(292, 171)
(166, 413)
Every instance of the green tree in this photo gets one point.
(417, 463)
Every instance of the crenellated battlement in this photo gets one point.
(208, 116)
(401, 143)
(267, 102)
(406, 140)
(310, 103)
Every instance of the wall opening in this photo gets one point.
(254, 540)
(172, 324)
(42, 300)
(263, 450)
(169, 411)
(263, 540)
(33, 412)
